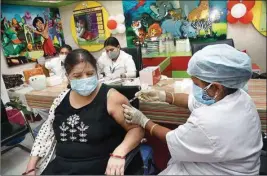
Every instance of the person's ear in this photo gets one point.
(119, 47)
(217, 88)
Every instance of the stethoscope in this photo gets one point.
(113, 68)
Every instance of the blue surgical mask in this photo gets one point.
(202, 96)
(84, 86)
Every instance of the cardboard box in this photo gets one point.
(150, 75)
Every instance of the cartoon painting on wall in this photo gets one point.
(263, 17)
(199, 20)
(29, 33)
(89, 26)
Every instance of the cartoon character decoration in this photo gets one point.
(154, 30)
(42, 29)
(176, 14)
(27, 18)
(26, 35)
(179, 29)
(55, 30)
(11, 44)
(196, 20)
(4, 24)
(15, 24)
(137, 27)
(205, 25)
(200, 12)
(82, 31)
(160, 9)
(140, 32)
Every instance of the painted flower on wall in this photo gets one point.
(240, 11)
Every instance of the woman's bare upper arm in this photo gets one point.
(115, 109)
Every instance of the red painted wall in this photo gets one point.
(152, 61)
(180, 63)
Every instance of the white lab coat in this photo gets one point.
(224, 138)
(124, 64)
(56, 66)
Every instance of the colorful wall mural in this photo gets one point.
(29, 32)
(199, 20)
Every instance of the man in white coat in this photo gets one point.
(115, 63)
(223, 133)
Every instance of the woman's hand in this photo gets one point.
(151, 95)
(134, 116)
(115, 166)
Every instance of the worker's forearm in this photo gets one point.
(131, 140)
(180, 99)
(32, 162)
(158, 131)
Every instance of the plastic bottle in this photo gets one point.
(143, 49)
(161, 46)
(187, 46)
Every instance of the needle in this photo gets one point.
(134, 98)
(130, 101)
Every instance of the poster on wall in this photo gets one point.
(198, 20)
(89, 26)
(263, 17)
(28, 33)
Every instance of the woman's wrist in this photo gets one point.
(169, 98)
(29, 171)
(117, 156)
(30, 168)
(120, 151)
(32, 163)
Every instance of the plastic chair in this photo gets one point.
(198, 46)
(11, 131)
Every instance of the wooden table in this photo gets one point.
(159, 112)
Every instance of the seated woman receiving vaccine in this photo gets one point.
(85, 133)
(115, 63)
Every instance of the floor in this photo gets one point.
(14, 162)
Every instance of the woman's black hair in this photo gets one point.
(227, 90)
(111, 41)
(36, 19)
(77, 56)
(66, 46)
(230, 90)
